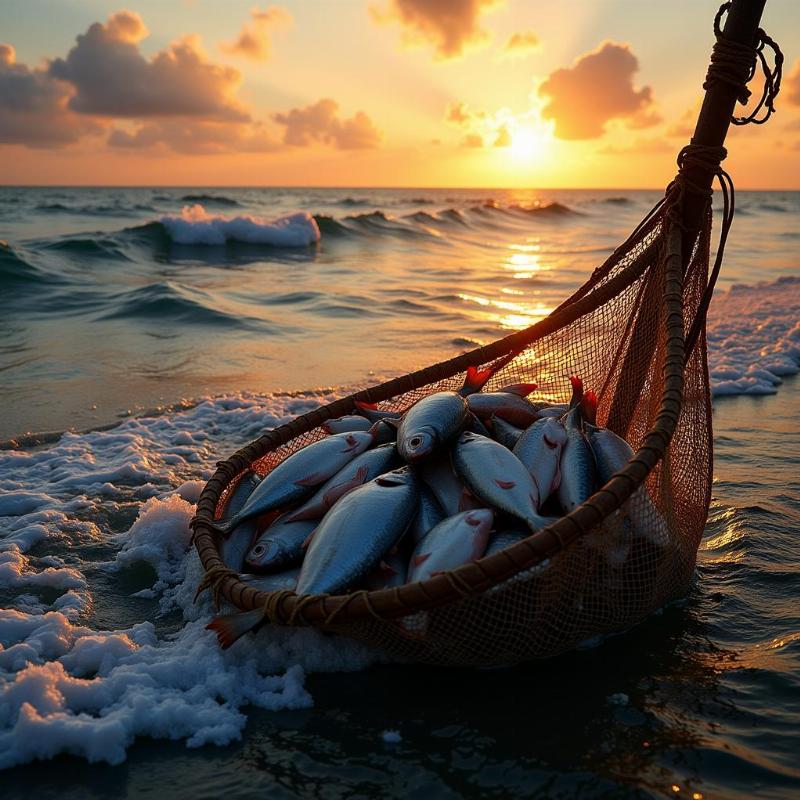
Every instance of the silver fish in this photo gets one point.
(373, 413)
(453, 542)
(612, 453)
(502, 539)
(432, 422)
(233, 548)
(230, 627)
(295, 478)
(555, 411)
(356, 533)
(361, 469)
(448, 489)
(497, 478)
(510, 407)
(389, 573)
(280, 545)
(505, 433)
(539, 449)
(385, 430)
(274, 582)
(429, 514)
(578, 469)
(347, 424)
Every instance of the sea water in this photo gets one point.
(147, 333)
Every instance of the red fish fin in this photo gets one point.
(308, 539)
(589, 406)
(420, 558)
(505, 484)
(476, 379)
(388, 569)
(336, 493)
(230, 627)
(308, 512)
(577, 390)
(365, 406)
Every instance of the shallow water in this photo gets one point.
(101, 644)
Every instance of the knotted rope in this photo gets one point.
(735, 63)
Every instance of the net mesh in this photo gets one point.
(608, 579)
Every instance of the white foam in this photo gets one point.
(196, 226)
(754, 337)
(66, 685)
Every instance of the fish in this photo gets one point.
(230, 627)
(389, 573)
(557, 411)
(504, 432)
(429, 513)
(233, 548)
(280, 545)
(373, 413)
(497, 478)
(612, 453)
(453, 542)
(476, 426)
(476, 379)
(355, 534)
(503, 539)
(448, 489)
(384, 431)
(296, 477)
(361, 469)
(577, 391)
(510, 407)
(578, 468)
(539, 449)
(521, 389)
(431, 423)
(353, 422)
(274, 582)
(589, 407)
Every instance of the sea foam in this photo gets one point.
(196, 226)
(754, 337)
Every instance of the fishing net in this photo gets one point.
(635, 332)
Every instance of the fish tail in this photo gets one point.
(589, 407)
(476, 378)
(520, 389)
(536, 522)
(230, 627)
(577, 391)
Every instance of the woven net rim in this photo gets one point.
(288, 608)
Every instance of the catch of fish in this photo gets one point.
(388, 498)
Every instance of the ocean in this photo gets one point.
(147, 333)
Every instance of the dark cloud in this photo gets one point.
(449, 25)
(112, 78)
(598, 88)
(320, 122)
(33, 107)
(521, 44)
(255, 39)
(195, 137)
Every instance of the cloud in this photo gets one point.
(598, 88)
(503, 138)
(449, 25)
(195, 137)
(520, 44)
(112, 78)
(255, 39)
(791, 86)
(33, 107)
(320, 122)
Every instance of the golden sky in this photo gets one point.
(514, 93)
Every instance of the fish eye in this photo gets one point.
(258, 550)
(415, 441)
